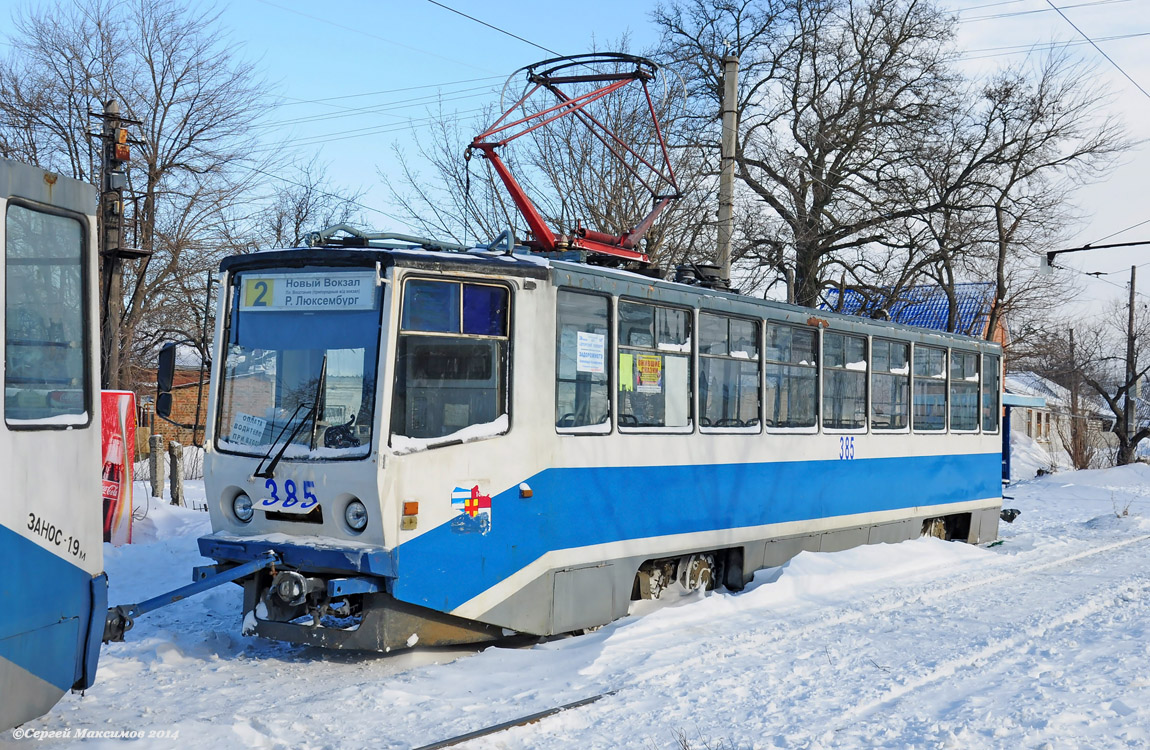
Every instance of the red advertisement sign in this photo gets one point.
(118, 428)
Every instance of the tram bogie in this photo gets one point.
(444, 447)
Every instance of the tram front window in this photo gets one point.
(300, 367)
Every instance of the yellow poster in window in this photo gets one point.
(626, 372)
(650, 367)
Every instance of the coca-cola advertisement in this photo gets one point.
(118, 427)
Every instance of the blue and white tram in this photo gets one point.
(444, 447)
(53, 592)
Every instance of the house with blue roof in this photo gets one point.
(925, 306)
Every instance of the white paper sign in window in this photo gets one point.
(247, 429)
(592, 350)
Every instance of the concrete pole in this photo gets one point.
(1131, 373)
(156, 464)
(176, 458)
(729, 112)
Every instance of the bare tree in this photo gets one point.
(880, 167)
(1096, 364)
(1049, 136)
(303, 201)
(836, 102)
(454, 198)
(169, 67)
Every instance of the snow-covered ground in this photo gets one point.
(1040, 642)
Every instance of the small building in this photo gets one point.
(1049, 424)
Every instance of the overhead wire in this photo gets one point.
(1099, 49)
(327, 99)
(383, 108)
(990, 5)
(342, 135)
(1017, 13)
(353, 202)
(496, 28)
(1121, 231)
(368, 34)
(1024, 49)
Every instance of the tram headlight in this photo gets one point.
(356, 515)
(242, 507)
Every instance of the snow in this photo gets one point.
(1028, 457)
(70, 420)
(401, 445)
(1042, 641)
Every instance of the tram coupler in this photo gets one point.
(121, 617)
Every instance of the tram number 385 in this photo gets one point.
(846, 447)
(290, 502)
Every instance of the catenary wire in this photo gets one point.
(1099, 49)
(496, 28)
(1017, 13)
(374, 36)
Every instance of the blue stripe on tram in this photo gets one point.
(443, 568)
(47, 605)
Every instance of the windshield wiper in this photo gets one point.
(313, 412)
(315, 404)
(269, 472)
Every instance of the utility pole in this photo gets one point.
(113, 180)
(729, 112)
(1077, 423)
(1131, 372)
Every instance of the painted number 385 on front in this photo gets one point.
(287, 499)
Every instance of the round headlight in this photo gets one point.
(356, 515)
(242, 507)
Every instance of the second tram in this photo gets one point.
(446, 447)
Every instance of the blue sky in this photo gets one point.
(325, 60)
(403, 56)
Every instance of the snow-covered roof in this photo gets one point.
(1057, 398)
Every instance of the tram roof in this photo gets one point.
(592, 278)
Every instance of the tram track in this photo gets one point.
(1007, 650)
(895, 599)
(1126, 589)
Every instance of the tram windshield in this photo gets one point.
(300, 366)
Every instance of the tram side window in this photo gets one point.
(451, 368)
(791, 369)
(890, 385)
(45, 366)
(654, 366)
(728, 372)
(844, 381)
(929, 388)
(581, 395)
(963, 390)
(990, 393)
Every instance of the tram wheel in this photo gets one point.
(935, 527)
(697, 572)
